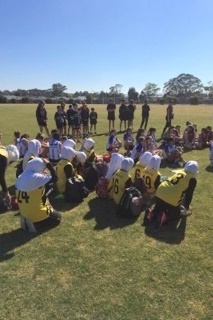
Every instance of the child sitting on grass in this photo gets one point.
(120, 180)
(171, 153)
(113, 144)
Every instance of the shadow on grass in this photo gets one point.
(60, 204)
(209, 169)
(104, 213)
(174, 233)
(11, 240)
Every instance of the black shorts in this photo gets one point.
(111, 116)
(42, 123)
(93, 121)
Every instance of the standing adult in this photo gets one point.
(111, 114)
(85, 118)
(41, 116)
(145, 115)
(131, 108)
(59, 120)
(65, 118)
(169, 116)
(69, 115)
(123, 114)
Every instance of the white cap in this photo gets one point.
(81, 156)
(69, 143)
(88, 144)
(154, 162)
(192, 166)
(13, 153)
(145, 157)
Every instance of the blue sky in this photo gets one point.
(95, 44)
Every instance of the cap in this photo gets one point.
(192, 166)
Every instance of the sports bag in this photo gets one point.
(75, 190)
(131, 203)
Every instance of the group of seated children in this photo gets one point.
(141, 161)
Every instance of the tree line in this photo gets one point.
(185, 88)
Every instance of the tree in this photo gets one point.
(58, 89)
(116, 89)
(150, 90)
(183, 85)
(133, 94)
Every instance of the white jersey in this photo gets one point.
(55, 150)
(22, 148)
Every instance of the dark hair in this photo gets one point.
(56, 136)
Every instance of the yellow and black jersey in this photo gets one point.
(62, 179)
(90, 155)
(137, 171)
(173, 189)
(117, 185)
(31, 205)
(151, 179)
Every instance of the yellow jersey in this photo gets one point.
(117, 185)
(31, 205)
(149, 176)
(137, 170)
(172, 190)
(62, 179)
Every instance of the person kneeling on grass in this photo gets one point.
(152, 176)
(137, 170)
(31, 187)
(120, 180)
(174, 195)
(64, 168)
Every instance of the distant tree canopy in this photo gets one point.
(183, 85)
(58, 89)
(133, 94)
(185, 88)
(150, 90)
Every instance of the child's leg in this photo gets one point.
(94, 128)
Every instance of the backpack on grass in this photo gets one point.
(131, 204)
(75, 190)
(102, 188)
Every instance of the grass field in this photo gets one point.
(95, 266)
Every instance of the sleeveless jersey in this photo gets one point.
(149, 176)
(172, 190)
(31, 205)
(119, 180)
(62, 179)
(55, 150)
(137, 170)
(90, 155)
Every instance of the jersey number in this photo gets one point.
(22, 196)
(176, 179)
(147, 181)
(137, 173)
(116, 189)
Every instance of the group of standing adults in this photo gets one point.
(126, 115)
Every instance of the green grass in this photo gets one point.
(94, 266)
